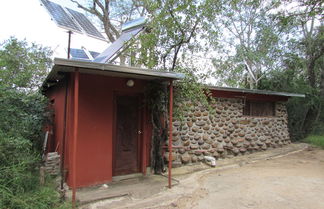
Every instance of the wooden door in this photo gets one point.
(126, 140)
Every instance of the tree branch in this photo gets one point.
(91, 10)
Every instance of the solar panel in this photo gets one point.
(86, 25)
(78, 54)
(113, 49)
(71, 20)
(60, 17)
(133, 23)
(94, 54)
(82, 54)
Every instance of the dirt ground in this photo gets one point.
(291, 177)
(293, 181)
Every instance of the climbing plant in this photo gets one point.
(156, 100)
(187, 94)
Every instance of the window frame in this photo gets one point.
(256, 108)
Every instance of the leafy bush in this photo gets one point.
(22, 113)
(288, 81)
(21, 116)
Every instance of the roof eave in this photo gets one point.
(68, 65)
(256, 91)
(116, 68)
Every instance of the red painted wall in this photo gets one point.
(56, 96)
(95, 131)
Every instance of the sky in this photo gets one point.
(27, 19)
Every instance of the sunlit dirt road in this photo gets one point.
(293, 181)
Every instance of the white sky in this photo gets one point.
(27, 19)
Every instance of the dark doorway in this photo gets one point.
(126, 140)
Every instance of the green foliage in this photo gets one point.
(249, 41)
(22, 112)
(300, 72)
(21, 117)
(317, 140)
(191, 90)
(290, 80)
(173, 28)
(23, 65)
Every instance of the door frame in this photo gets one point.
(140, 138)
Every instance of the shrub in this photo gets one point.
(21, 118)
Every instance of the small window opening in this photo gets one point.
(259, 108)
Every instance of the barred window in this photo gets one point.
(258, 108)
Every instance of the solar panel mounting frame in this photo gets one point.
(45, 3)
(67, 12)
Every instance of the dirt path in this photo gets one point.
(294, 181)
(291, 178)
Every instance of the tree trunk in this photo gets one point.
(311, 72)
(322, 84)
(310, 119)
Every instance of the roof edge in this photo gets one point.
(117, 68)
(256, 91)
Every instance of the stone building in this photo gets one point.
(102, 129)
(241, 121)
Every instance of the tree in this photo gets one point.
(302, 68)
(310, 49)
(23, 65)
(172, 24)
(250, 43)
(174, 32)
(22, 109)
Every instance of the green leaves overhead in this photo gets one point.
(173, 28)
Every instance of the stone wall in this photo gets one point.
(52, 163)
(226, 132)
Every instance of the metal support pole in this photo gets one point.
(75, 133)
(170, 132)
(69, 44)
(67, 77)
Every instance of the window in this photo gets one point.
(258, 108)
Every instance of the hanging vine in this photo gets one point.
(188, 94)
(157, 101)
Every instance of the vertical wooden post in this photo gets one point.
(75, 133)
(170, 132)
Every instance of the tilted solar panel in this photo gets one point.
(78, 54)
(133, 23)
(59, 15)
(86, 25)
(117, 45)
(94, 54)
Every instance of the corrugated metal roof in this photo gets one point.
(68, 65)
(255, 91)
